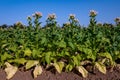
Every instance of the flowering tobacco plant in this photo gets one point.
(68, 47)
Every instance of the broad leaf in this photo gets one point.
(62, 44)
(47, 57)
(107, 55)
(75, 60)
(5, 56)
(71, 45)
(83, 71)
(59, 66)
(37, 71)
(10, 70)
(27, 52)
(31, 63)
(19, 61)
(35, 53)
(69, 67)
(101, 67)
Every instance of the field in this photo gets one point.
(70, 48)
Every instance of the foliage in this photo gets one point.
(68, 47)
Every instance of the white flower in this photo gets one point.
(117, 19)
(93, 13)
(37, 14)
(51, 16)
(67, 24)
(72, 16)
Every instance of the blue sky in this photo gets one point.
(12, 11)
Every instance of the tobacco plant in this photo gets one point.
(65, 48)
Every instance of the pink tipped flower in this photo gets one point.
(72, 16)
(51, 16)
(37, 14)
(117, 20)
(93, 13)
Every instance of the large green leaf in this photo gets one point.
(71, 45)
(62, 44)
(6, 56)
(31, 63)
(47, 57)
(36, 53)
(75, 60)
(27, 52)
(89, 52)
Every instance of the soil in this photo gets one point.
(74, 75)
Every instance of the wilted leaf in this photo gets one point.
(83, 71)
(101, 67)
(19, 61)
(59, 66)
(27, 52)
(37, 71)
(10, 70)
(31, 63)
(107, 55)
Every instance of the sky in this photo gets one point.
(12, 11)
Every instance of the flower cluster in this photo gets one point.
(93, 13)
(117, 20)
(18, 23)
(67, 24)
(72, 16)
(51, 16)
(37, 15)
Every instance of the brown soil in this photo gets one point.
(74, 75)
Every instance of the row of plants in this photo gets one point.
(65, 48)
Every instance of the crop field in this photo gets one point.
(67, 47)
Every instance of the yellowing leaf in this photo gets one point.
(19, 61)
(59, 66)
(101, 67)
(37, 71)
(31, 63)
(83, 71)
(10, 70)
(27, 52)
(107, 55)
